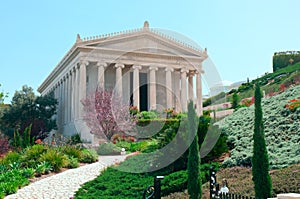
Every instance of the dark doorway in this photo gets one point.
(143, 91)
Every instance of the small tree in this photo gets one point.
(28, 109)
(235, 100)
(106, 114)
(260, 160)
(194, 180)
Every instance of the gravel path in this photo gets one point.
(65, 184)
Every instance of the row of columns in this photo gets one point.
(69, 91)
(72, 88)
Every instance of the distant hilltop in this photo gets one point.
(285, 58)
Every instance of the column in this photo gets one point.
(82, 86)
(152, 87)
(136, 86)
(101, 72)
(199, 93)
(183, 90)
(63, 100)
(73, 93)
(60, 103)
(66, 98)
(76, 92)
(177, 91)
(169, 93)
(191, 86)
(119, 85)
(70, 97)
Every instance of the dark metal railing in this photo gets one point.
(154, 192)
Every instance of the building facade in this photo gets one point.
(149, 69)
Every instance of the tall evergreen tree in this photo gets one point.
(260, 160)
(235, 100)
(194, 180)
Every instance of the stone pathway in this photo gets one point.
(65, 184)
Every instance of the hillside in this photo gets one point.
(282, 130)
(271, 83)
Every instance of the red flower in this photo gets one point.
(38, 141)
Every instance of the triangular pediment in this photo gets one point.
(144, 41)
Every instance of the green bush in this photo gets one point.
(108, 149)
(55, 158)
(151, 147)
(31, 155)
(28, 172)
(88, 156)
(138, 146)
(72, 162)
(43, 168)
(154, 127)
(175, 182)
(75, 139)
(10, 181)
(71, 151)
(124, 144)
(10, 158)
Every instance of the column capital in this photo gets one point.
(100, 63)
(167, 69)
(153, 68)
(191, 73)
(83, 62)
(137, 67)
(184, 70)
(119, 65)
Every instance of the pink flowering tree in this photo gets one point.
(106, 114)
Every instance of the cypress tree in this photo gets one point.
(260, 160)
(194, 180)
(235, 100)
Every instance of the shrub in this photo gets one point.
(174, 182)
(138, 146)
(75, 139)
(24, 140)
(55, 158)
(124, 144)
(43, 168)
(88, 156)
(72, 162)
(31, 155)
(108, 149)
(10, 181)
(71, 151)
(10, 158)
(28, 172)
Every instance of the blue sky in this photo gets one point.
(241, 36)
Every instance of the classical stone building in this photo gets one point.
(151, 70)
